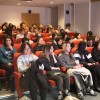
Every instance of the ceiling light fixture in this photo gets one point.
(18, 4)
(51, 2)
(29, 0)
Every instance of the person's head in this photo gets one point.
(90, 40)
(69, 39)
(27, 35)
(26, 29)
(22, 25)
(82, 46)
(25, 40)
(64, 35)
(77, 35)
(31, 29)
(26, 48)
(40, 41)
(68, 25)
(54, 35)
(89, 33)
(66, 47)
(8, 41)
(48, 49)
(22, 31)
(58, 41)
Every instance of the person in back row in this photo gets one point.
(85, 58)
(81, 75)
(6, 60)
(40, 45)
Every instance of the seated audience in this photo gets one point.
(70, 40)
(85, 58)
(51, 64)
(20, 34)
(57, 44)
(90, 42)
(40, 45)
(96, 52)
(6, 60)
(68, 26)
(77, 36)
(27, 35)
(81, 75)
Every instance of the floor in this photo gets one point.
(52, 95)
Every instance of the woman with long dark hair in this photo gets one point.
(6, 59)
(86, 59)
(51, 64)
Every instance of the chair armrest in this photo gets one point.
(17, 74)
(63, 69)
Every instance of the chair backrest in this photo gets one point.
(89, 49)
(17, 46)
(33, 45)
(38, 53)
(73, 50)
(47, 39)
(57, 52)
(16, 55)
(19, 40)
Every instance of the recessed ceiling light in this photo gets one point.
(29, 1)
(18, 4)
(51, 2)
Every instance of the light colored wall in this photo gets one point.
(12, 14)
(95, 17)
(61, 15)
(54, 16)
(82, 17)
(67, 16)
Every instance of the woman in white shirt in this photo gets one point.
(27, 68)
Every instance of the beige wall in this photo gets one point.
(12, 14)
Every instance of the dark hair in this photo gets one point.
(76, 35)
(81, 47)
(21, 24)
(68, 38)
(23, 47)
(89, 38)
(24, 39)
(68, 24)
(8, 37)
(89, 33)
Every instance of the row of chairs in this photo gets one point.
(38, 53)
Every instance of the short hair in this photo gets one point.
(68, 24)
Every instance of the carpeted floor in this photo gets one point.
(52, 95)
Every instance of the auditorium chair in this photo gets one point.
(89, 49)
(17, 46)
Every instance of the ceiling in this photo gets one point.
(41, 3)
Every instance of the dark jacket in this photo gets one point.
(6, 55)
(96, 54)
(48, 64)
